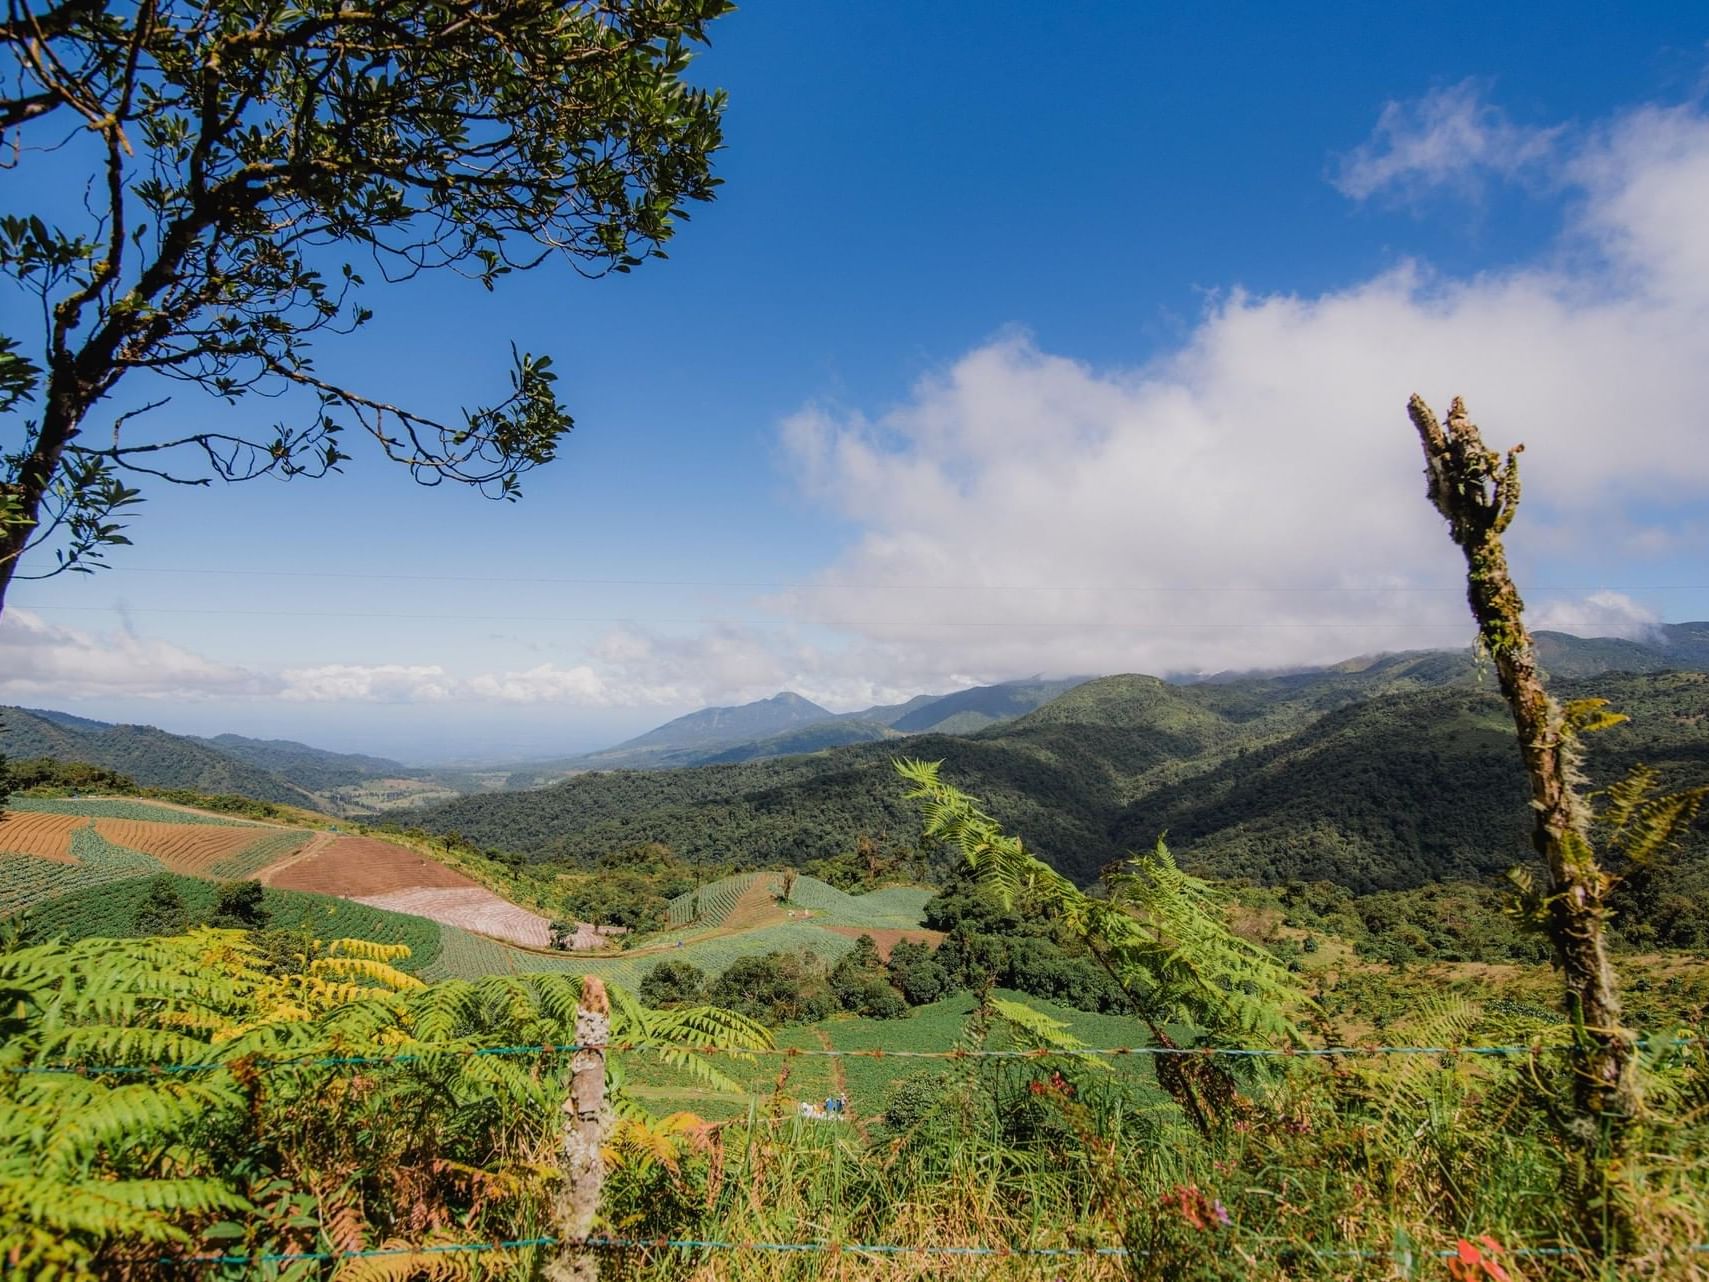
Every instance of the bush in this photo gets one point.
(162, 910)
(673, 983)
(240, 905)
(778, 988)
(917, 974)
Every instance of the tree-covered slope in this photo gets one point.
(1276, 779)
(1406, 788)
(152, 757)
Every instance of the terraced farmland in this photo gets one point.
(125, 808)
(26, 880)
(198, 849)
(463, 959)
(895, 907)
(471, 908)
(713, 902)
(40, 835)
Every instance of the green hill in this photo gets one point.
(1386, 774)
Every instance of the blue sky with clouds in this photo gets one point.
(1068, 338)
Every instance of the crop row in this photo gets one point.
(26, 882)
(259, 854)
(467, 956)
(119, 808)
(712, 903)
(896, 907)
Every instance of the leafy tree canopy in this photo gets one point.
(239, 155)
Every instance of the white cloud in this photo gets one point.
(1601, 614)
(39, 660)
(1254, 498)
(368, 683)
(1448, 138)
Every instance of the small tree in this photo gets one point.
(240, 905)
(162, 911)
(236, 152)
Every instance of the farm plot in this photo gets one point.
(26, 881)
(121, 808)
(894, 907)
(196, 849)
(381, 875)
(41, 835)
(713, 902)
(354, 867)
(471, 908)
(712, 955)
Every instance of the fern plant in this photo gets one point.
(315, 1099)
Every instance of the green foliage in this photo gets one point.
(673, 983)
(226, 141)
(103, 1174)
(48, 772)
(1161, 933)
(777, 988)
(239, 905)
(162, 911)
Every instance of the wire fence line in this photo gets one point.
(827, 1246)
(543, 1049)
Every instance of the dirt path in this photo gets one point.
(310, 849)
(840, 1084)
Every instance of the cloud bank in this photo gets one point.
(1250, 499)
(1254, 498)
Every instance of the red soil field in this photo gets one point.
(184, 848)
(45, 836)
(888, 937)
(358, 866)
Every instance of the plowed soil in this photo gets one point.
(25, 832)
(353, 867)
(184, 848)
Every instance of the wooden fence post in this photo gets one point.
(586, 1120)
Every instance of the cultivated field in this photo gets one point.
(382, 875)
(196, 849)
(45, 836)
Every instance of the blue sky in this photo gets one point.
(1022, 339)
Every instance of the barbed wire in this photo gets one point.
(420, 1054)
(816, 1245)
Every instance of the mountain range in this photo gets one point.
(1377, 774)
(805, 746)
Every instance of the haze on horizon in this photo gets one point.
(878, 429)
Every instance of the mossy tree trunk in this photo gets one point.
(1478, 492)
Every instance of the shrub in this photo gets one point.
(673, 983)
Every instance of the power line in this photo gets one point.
(481, 616)
(882, 587)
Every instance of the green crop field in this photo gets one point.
(108, 909)
(711, 903)
(119, 808)
(26, 881)
(265, 850)
(936, 1027)
(896, 907)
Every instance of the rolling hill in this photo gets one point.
(1389, 773)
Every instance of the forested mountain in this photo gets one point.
(1389, 774)
(152, 757)
(307, 767)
